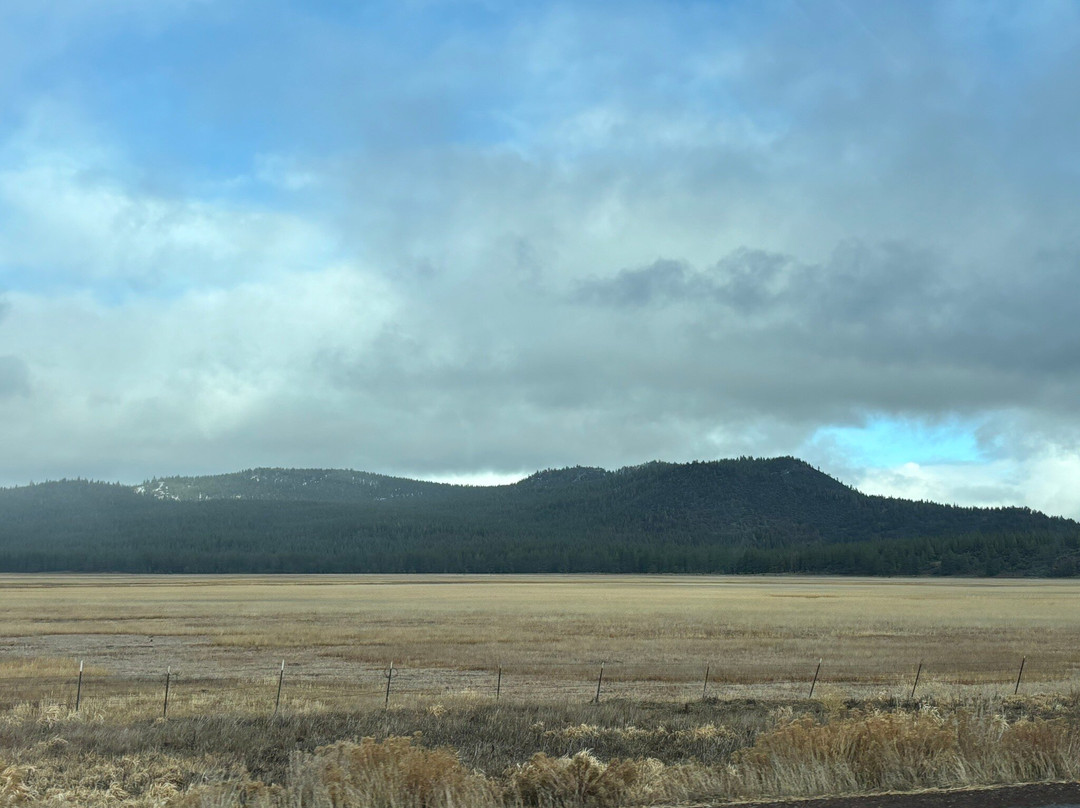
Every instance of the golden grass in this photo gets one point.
(717, 754)
(224, 638)
(903, 751)
(549, 633)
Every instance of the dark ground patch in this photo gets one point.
(1041, 795)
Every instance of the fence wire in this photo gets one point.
(365, 686)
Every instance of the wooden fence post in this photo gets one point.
(919, 671)
(1021, 673)
(705, 686)
(813, 684)
(498, 684)
(280, 681)
(390, 674)
(78, 688)
(165, 707)
(599, 682)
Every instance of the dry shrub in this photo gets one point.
(208, 763)
(92, 781)
(862, 753)
(707, 732)
(123, 777)
(581, 780)
(660, 735)
(1039, 750)
(233, 794)
(993, 750)
(393, 773)
(44, 713)
(13, 787)
(901, 751)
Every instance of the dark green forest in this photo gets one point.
(747, 515)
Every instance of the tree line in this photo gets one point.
(738, 516)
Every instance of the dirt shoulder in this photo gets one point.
(1026, 796)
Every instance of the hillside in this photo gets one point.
(745, 515)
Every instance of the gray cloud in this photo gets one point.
(659, 283)
(751, 353)
(889, 302)
(453, 265)
(14, 376)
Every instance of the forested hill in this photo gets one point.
(745, 515)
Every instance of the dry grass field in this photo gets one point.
(652, 739)
(760, 636)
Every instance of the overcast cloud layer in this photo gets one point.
(470, 240)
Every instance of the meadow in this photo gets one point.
(660, 733)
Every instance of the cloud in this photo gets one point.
(14, 376)
(883, 311)
(468, 238)
(191, 377)
(79, 227)
(659, 283)
(1047, 482)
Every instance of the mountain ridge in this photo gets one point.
(736, 515)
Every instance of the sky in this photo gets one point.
(469, 240)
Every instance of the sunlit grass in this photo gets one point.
(465, 751)
(659, 632)
(653, 738)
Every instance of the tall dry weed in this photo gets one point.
(395, 773)
(581, 780)
(13, 787)
(877, 751)
(232, 794)
(599, 757)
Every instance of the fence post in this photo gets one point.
(280, 681)
(919, 671)
(814, 683)
(78, 688)
(390, 674)
(165, 707)
(498, 684)
(599, 682)
(1021, 673)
